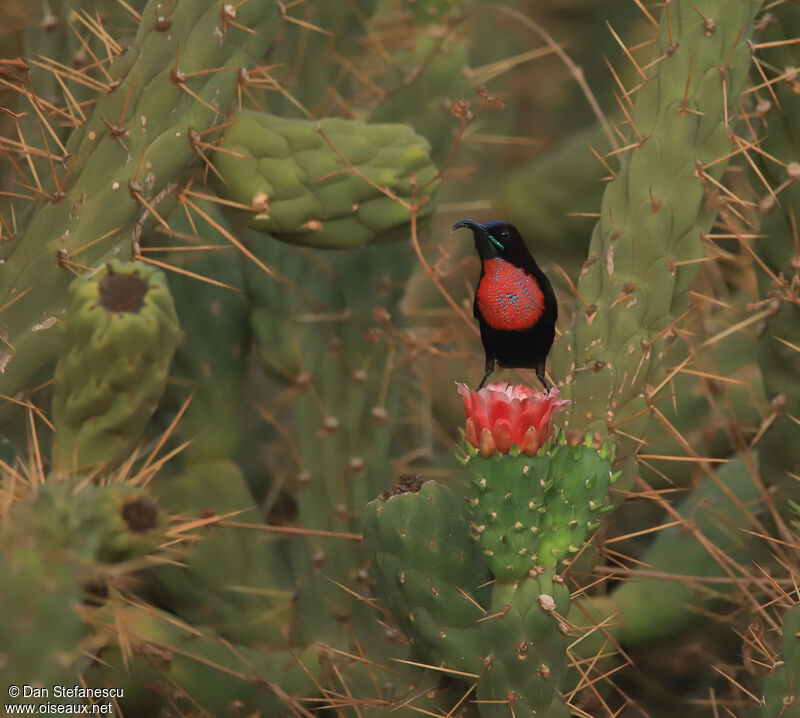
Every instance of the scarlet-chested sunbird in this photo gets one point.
(515, 304)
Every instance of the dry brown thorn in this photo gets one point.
(162, 22)
(626, 51)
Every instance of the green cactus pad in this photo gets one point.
(51, 547)
(528, 649)
(782, 685)
(581, 478)
(428, 570)
(117, 342)
(537, 510)
(196, 667)
(779, 135)
(230, 579)
(302, 192)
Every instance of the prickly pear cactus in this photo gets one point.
(428, 571)
(298, 178)
(529, 515)
(54, 548)
(117, 341)
(528, 641)
(533, 498)
(125, 160)
(165, 133)
(645, 248)
(538, 510)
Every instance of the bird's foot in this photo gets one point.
(540, 374)
(488, 369)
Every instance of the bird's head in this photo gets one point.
(496, 240)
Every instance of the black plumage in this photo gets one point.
(515, 304)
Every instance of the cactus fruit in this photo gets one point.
(300, 189)
(428, 571)
(117, 341)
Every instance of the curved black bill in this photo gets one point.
(470, 223)
(485, 243)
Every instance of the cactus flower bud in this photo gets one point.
(502, 414)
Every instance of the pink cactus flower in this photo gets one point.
(500, 415)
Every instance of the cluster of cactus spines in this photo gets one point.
(775, 127)
(118, 336)
(781, 691)
(537, 510)
(209, 367)
(124, 164)
(644, 250)
(298, 177)
(54, 548)
(157, 659)
(234, 580)
(428, 571)
(705, 544)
